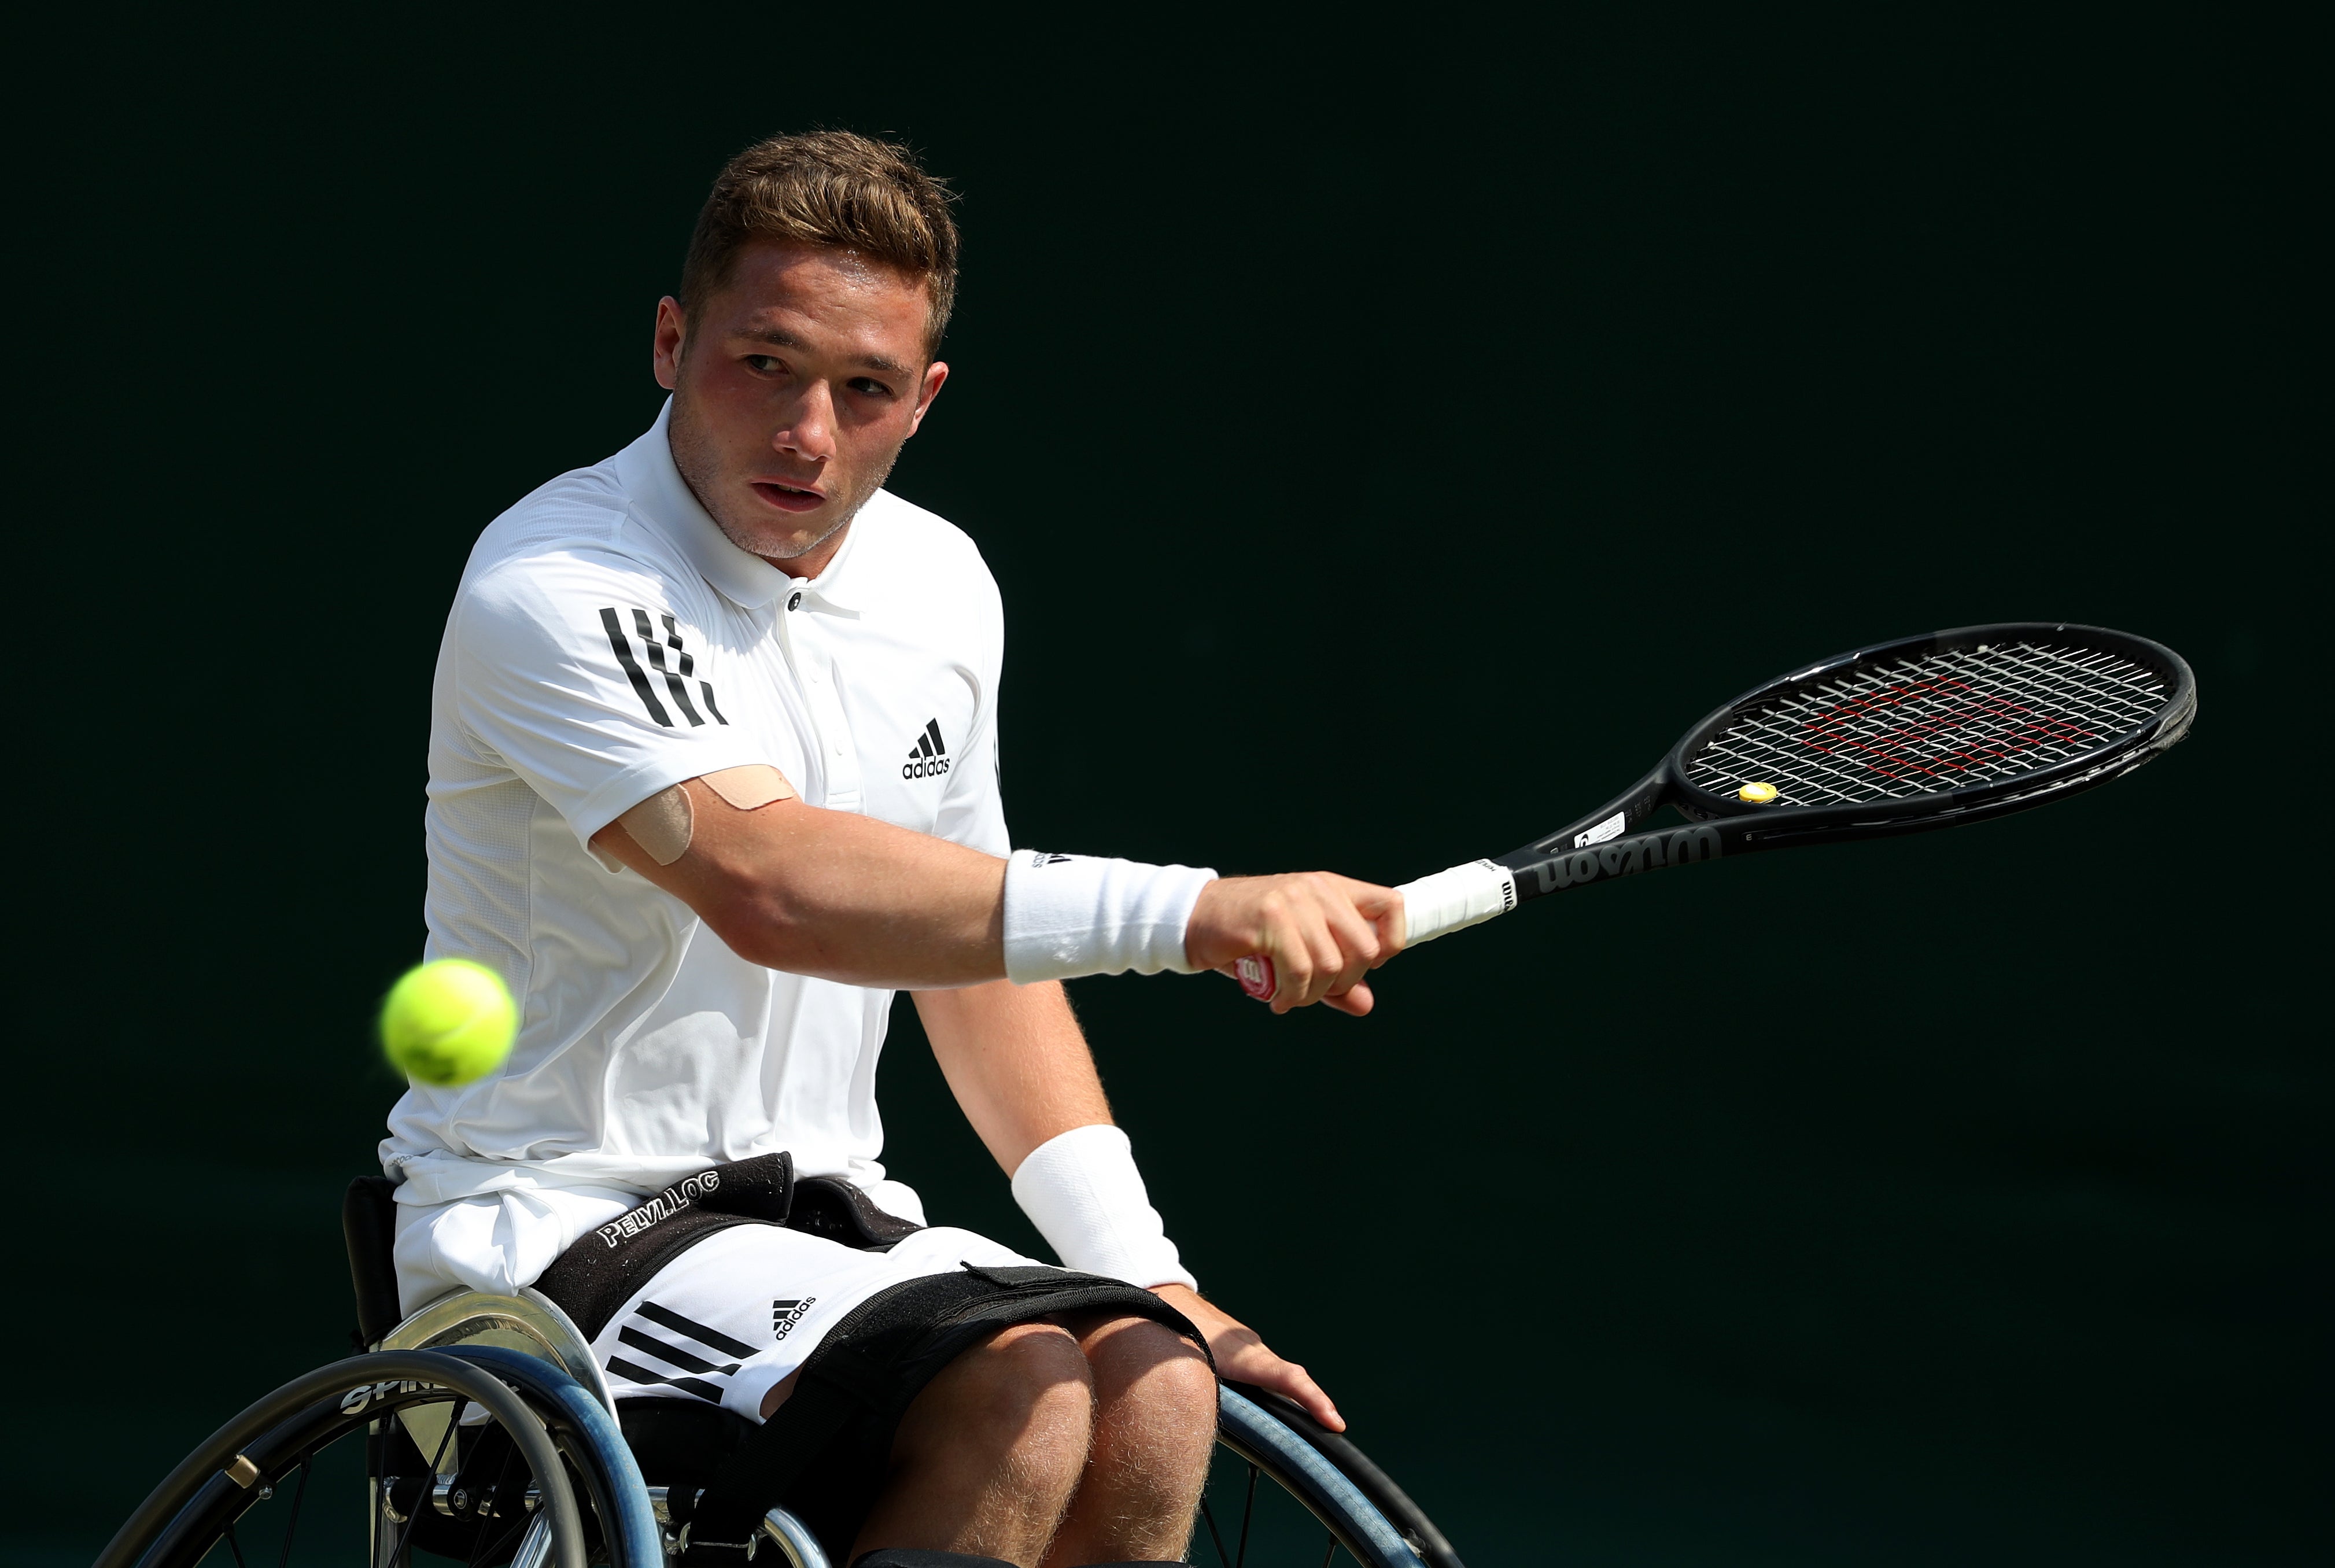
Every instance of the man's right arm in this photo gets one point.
(846, 897)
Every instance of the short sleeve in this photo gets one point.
(588, 678)
(973, 810)
(972, 807)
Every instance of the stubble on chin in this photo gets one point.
(701, 467)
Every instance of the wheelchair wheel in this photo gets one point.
(1350, 1500)
(475, 1455)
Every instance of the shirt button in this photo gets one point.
(794, 600)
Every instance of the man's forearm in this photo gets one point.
(1020, 1067)
(1017, 1062)
(851, 898)
(833, 893)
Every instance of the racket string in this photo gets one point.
(1943, 720)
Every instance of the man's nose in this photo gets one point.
(810, 434)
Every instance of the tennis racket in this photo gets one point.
(1928, 731)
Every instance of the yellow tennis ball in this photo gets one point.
(450, 1021)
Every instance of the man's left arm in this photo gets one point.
(1017, 1062)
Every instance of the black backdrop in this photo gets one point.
(1387, 440)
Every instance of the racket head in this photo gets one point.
(1927, 729)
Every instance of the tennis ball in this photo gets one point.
(450, 1021)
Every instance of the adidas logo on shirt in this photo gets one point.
(928, 758)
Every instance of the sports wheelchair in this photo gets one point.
(480, 1429)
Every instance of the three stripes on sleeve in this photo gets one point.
(675, 674)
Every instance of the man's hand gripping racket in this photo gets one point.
(1900, 737)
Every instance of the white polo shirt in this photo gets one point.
(607, 640)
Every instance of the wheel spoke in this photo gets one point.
(1248, 1512)
(235, 1546)
(486, 1532)
(429, 1482)
(1329, 1552)
(1223, 1556)
(291, 1525)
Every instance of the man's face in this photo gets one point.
(792, 390)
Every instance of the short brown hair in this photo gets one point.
(830, 188)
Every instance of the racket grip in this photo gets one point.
(1256, 976)
(1432, 906)
(1453, 900)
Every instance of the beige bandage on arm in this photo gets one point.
(754, 785)
(664, 824)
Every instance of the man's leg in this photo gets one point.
(1155, 1428)
(989, 1454)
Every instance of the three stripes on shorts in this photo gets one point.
(694, 1371)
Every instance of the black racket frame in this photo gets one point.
(1721, 825)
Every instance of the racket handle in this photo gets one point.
(1453, 900)
(1256, 976)
(1432, 906)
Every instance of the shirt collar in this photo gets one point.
(663, 499)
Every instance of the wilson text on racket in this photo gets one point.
(1621, 857)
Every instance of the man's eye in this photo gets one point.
(866, 387)
(763, 363)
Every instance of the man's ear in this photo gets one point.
(936, 374)
(671, 338)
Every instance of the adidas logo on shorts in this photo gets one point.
(785, 1315)
(928, 758)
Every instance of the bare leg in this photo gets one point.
(1155, 1428)
(988, 1456)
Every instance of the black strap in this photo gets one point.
(605, 1266)
(876, 1362)
(838, 1210)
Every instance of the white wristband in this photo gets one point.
(1072, 914)
(1450, 900)
(1081, 1190)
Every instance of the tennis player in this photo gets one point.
(713, 772)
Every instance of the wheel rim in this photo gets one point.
(468, 1501)
(300, 1433)
(1326, 1495)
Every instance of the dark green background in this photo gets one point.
(1388, 438)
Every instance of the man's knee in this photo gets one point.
(1027, 1389)
(1159, 1377)
(1038, 1362)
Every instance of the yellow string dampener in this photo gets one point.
(1757, 794)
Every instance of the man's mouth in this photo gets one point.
(789, 497)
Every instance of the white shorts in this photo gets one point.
(743, 1309)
